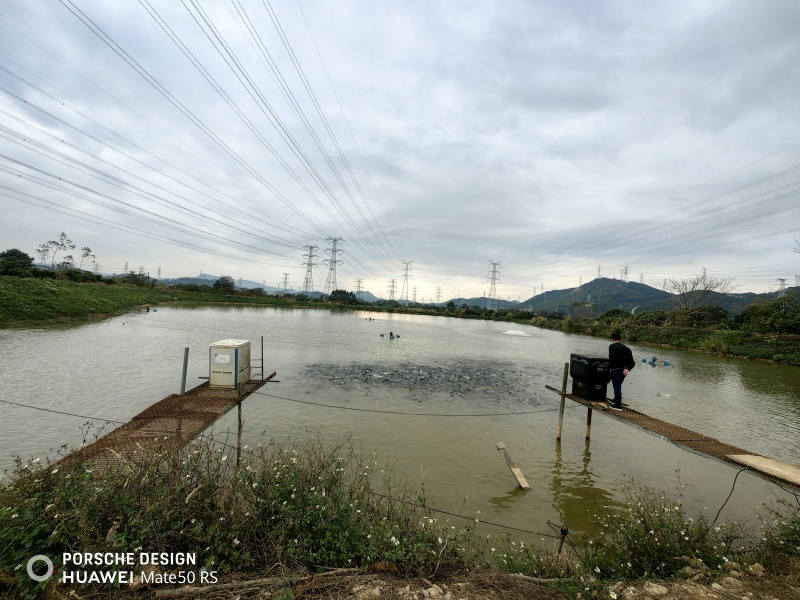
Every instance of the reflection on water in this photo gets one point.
(117, 368)
(576, 494)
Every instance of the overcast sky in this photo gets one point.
(558, 139)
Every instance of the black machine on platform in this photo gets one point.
(590, 376)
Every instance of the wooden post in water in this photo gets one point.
(185, 366)
(588, 423)
(513, 466)
(263, 367)
(563, 398)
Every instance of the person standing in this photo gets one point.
(620, 359)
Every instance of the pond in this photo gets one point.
(433, 403)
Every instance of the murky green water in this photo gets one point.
(114, 369)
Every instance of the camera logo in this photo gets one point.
(45, 560)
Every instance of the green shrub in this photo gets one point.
(306, 505)
(649, 535)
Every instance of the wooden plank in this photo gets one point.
(774, 468)
(513, 467)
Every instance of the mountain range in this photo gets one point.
(600, 295)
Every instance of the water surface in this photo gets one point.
(116, 368)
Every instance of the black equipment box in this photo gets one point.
(590, 376)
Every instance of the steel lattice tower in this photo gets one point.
(330, 284)
(392, 288)
(308, 282)
(493, 286)
(438, 295)
(359, 289)
(285, 283)
(404, 290)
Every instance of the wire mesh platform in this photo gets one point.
(167, 425)
(695, 441)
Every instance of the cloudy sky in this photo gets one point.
(558, 139)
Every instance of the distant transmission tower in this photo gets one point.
(308, 282)
(330, 284)
(641, 277)
(159, 272)
(406, 273)
(414, 294)
(392, 288)
(598, 271)
(126, 268)
(438, 295)
(704, 272)
(625, 274)
(493, 276)
(359, 289)
(665, 285)
(781, 286)
(284, 283)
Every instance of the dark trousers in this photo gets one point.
(617, 377)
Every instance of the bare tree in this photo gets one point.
(56, 246)
(86, 252)
(44, 251)
(700, 290)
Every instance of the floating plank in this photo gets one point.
(774, 468)
(513, 466)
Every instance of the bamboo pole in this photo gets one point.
(563, 399)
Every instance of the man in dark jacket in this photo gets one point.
(620, 360)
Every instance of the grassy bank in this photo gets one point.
(306, 507)
(28, 302)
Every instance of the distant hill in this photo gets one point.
(603, 294)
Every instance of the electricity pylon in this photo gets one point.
(285, 283)
(414, 294)
(359, 289)
(404, 290)
(492, 286)
(330, 284)
(392, 288)
(308, 282)
(438, 295)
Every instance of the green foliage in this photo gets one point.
(15, 262)
(783, 529)
(307, 505)
(781, 315)
(613, 314)
(723, 341)
(224, 284)
(343, 297)
(137, 279)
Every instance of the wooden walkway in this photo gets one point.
(167, 425)
(698, 442)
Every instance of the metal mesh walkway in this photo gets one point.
(167, 425)
(696, 441)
